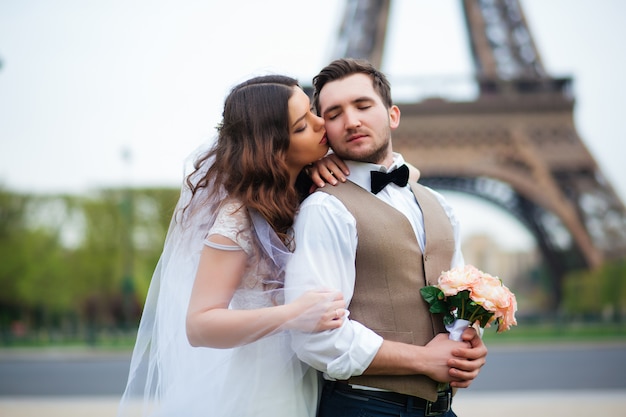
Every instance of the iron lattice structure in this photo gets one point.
(515, 145)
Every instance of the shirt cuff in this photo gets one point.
(361, 354)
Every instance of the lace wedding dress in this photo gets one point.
(168, 377)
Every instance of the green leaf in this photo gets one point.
(484, 319)
(438, 307)
(463, 295)
(431, 294)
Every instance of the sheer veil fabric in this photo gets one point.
(169, 377)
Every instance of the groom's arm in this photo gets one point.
(442, 359)
(325, 236)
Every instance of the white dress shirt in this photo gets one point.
(326, 242)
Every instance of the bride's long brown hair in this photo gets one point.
(248, 158)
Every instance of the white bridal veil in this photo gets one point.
(168, 377)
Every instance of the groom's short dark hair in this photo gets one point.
(343, 67)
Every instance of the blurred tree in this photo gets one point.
(12, 251)
(597, 293)
(64, 259)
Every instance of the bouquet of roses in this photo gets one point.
(468, 296)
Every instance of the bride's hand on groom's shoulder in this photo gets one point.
(329, 169)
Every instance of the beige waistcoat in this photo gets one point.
(390, 270)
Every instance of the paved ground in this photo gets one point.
(490, 402)
(510, 404)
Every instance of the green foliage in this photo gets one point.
(460, 306)
(79, 261)
(596, 293)
(438, 304)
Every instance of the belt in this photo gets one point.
(431, 408)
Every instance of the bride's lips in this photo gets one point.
(324, 140)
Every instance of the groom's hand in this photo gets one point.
(467, 361)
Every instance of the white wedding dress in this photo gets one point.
(168, 377)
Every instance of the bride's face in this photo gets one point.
(307, 135)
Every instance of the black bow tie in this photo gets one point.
(399, 176)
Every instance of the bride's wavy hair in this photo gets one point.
(248, 159)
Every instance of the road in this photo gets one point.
(511, 368)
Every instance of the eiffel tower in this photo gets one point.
(515, 145)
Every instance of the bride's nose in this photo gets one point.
(319, 122)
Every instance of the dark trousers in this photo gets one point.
(337, 401)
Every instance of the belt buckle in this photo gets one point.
(444, 398)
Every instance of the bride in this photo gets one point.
(214, 335)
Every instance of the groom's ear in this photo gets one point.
(394, 117)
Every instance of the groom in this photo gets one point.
(379, 244)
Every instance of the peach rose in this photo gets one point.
(485, 291)
(458, 279)
(507, 314)
(490, 293)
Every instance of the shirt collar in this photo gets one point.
(360, 171)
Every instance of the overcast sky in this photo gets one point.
(82, 82)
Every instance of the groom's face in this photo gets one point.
(358, 124)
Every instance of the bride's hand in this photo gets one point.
(316, 311)
(329, 169)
